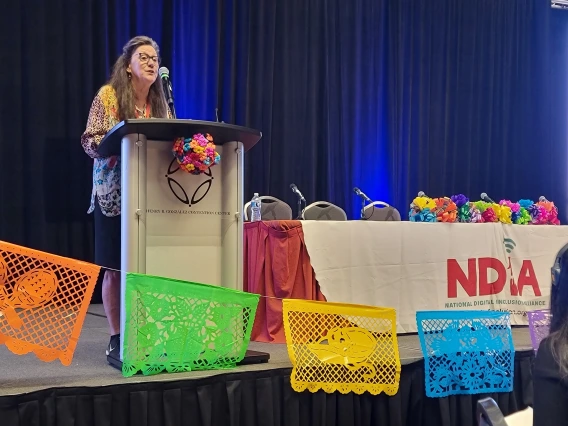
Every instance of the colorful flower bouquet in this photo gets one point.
(446, 210)
(421, 210)
(195, 155)
(458, 208)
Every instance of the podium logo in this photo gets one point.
(179, 191)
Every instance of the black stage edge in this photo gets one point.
(251, 357)
(263, 398)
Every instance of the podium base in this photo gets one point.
(251, 357)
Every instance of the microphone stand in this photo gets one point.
(363, 209)
(299, 209)
(172, 109)
(169, 96)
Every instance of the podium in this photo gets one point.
(175, 224)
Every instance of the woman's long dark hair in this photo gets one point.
(123, 86)
(559, 311)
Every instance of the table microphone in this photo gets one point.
(422, 194)
(361, 194)
(486, 198)
(296, 191)
(543, 199)
(167, 84)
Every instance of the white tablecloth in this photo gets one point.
(432, 266)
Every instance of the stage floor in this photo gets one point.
(24, 374)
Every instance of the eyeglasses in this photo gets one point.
(144, 58)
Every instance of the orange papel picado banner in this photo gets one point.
(336, 346)
(43, 301)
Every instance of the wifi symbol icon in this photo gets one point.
(509, 244)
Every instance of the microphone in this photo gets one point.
(543, 199)
(217, 114)
(296, 191)
(486, 198)
(167, 84)
(422, 194)
(361, 194)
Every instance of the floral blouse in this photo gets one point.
(106, 171)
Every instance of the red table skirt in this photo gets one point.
(276, 264)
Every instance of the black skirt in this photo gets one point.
(107, 239)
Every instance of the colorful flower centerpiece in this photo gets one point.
(196, 154)
(458, 208)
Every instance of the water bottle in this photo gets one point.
(255, 207)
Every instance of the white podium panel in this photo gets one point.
(184, 219)
(179, 225)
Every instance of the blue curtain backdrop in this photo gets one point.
(392, 96)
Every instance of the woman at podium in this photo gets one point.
(134, 91)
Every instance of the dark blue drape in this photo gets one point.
(471, 100)
(393, 96)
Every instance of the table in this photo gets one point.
(408, 266)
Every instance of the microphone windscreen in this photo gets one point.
(483, 196)
(164, 72)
